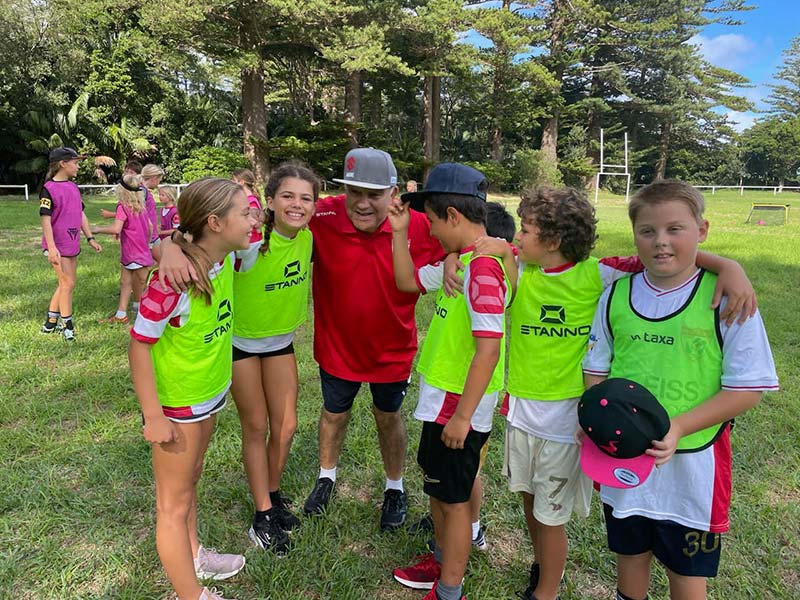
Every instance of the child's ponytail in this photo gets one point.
(201, 199)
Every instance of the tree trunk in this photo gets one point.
(352, 104)
(254, 121)
(556, 65)
(376, 106)
(663, 150)
(550, 139)
(432, 120)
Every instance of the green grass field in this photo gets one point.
(76, 491)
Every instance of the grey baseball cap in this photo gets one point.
(369, 168)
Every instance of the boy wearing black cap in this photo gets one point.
(658, 329)
(460, 366)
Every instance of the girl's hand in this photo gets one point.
(452, 282)
(159, 430)
(97, 247)
(175, 268)
(54, 256)
(664, 449)
(399, 215)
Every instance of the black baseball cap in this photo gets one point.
(621, 420)
(449, 178)
(63, 153)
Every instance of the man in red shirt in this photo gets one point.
(364, 328)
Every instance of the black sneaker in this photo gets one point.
(393, 511)
(284, 516)
(425, 524)
(50, 326)
(533, 583)
(267, 534)
(318, 499)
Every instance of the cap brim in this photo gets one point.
(614, 472)
(415, 199)
(363, 184)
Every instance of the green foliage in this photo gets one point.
(211, 161)
(499, 176)
(533, 167)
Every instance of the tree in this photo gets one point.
(785, 97)
(771, 150)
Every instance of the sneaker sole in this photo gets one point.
(219, 576)
(259, 544)
(414, 585)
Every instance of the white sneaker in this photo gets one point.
(212, 594)
(69, 334)
(210, 564)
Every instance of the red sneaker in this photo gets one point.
(432, 595)
(420, 576)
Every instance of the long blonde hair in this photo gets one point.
(201, 199)
(131, 194)
(167, 191)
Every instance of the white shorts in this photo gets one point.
(134, 266)
(550, 472)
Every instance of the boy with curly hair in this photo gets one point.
(557, 294)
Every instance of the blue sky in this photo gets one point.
(754, 49)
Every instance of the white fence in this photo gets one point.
(776, 189)
(24, 186)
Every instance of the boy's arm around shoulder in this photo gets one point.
(732, 281)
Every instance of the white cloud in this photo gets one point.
(741, 120)
(729, 50)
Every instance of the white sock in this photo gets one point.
(394, 484)
(329, 473)
(120, 314)
(475, 528)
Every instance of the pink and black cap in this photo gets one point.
(621, 420)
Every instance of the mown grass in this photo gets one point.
(76, 492)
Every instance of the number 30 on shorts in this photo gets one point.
(700, 541)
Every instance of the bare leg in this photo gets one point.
(533, 525)
(66, 284)
(475, 499)
(393, 441)
(553, 556)
(682, 587)
(279, 376)
(125, 289)
(207, 428)
(633, 574)
(332, 429)
(455, 538)
(138, 282)
(251, 404)
(174, 467)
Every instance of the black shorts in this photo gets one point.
(449, 474)
(240, 354)
(338, 394)
(683, 550)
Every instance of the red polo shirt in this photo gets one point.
(364, 328)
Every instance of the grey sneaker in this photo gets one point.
(210, 564)
(212, 594)
(69, 334)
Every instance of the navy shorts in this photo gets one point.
(683, 550)
(338, 394)
(449, 473)
(240, 354)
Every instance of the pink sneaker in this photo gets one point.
(420, 576)
(211, 594)
(210, 564)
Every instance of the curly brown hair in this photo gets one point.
(564, 216)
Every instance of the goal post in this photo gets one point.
(612, 170)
